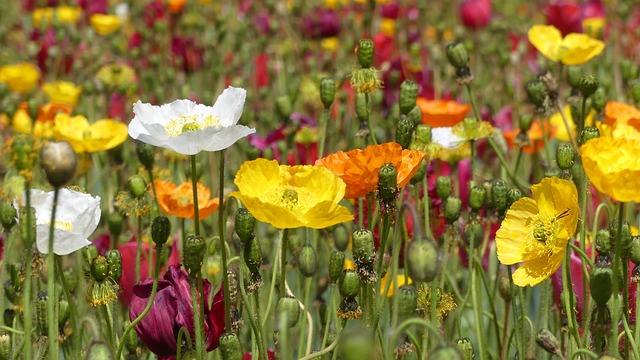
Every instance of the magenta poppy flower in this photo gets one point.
(321, 24)
(172, 309)
(475, 14)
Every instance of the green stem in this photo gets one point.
(198, 310)
(223, 251)
(616, 265)
(477, 306)
(283, 263)
(274, 272)
(426, 202)
(386, 224)
(183, 332)
(569, 305)
(326, 350)
(26, 286)
(139, 249)
(52, 300)
(518, 159)
(72, 309)
(472, 145)
(196, 210)
(328, 322)
(325, 127)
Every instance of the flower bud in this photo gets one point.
(33, 106)
(536, 91)
(99, 268)
(573, 76)
(131, 341)
(473, 233)
(63, 312)
(601, 283)
(364, 50)
(283, 105)
(423, 134)
(59, 162)
(624, 238)
(452, 208)
(114, 221)
(504, 287)
(199, 169)
(599, 99)
(416, 116)
(525, 122)
(513, 195)
(628, 70)
(423, 261)
(408, 96)
(244, 224)
(336, 263)
(477, 197)
(288, 305)
(466, 348)
(362, 110)
(457, 55)
(388, 185)
(635, 90)
(145, 154)
(362, 244)
(41, 312)
(589, 132)
(137, 186)
(307, 261)
(349, 283)
(327, 91)
(253, 254)
(404, 131)
(546, 340)
(356, 343)
(71, 278)
(499, 195)
(443, 187)
(445, 353)
(407, 300)
(603, 241)
(114, 261)
(341, 237)
(22, 152)
(634, 251)
(8, 215)
(565, 155)
(193, 254)
(230, 347)
(28, 235)
(588, 85)
(99, 351)
(160, 230)
(5, 345)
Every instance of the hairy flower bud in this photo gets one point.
(22, 152)
(284, 106)
(288, 306)
(364, 51)
(573, 76)
(388, 187)
(341, 237)
(145, 153)
(473, 233)
(307, 261)
(230, 347)
(327, 91)
(253, 254)
(244, 224)
(407, 300)
(588, 84)
(477, 197)
(536, 91)
(525, 122)
(513, 195)
(349, 283)
(457, 55)
(443, 187)
(8, 215)
(28, 235)
(5, 345)
(499, 195)
(114, 222)
(466, 348)
(415, 115)
(601, 283)
(41, 312)
(362, 244)
(634, 251)
(59, 162)
(160, 230)
(193, 254)
(137, 186)
(408, 96)
(423, 261)
(336, 263)
(546, 340)
(565, 155)
(599, 99)
(623, 238)
(452, 207)
(603, 241)
(589, 132)
(404, 131)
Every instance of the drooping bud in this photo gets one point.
(525, 122)
(407, 300)
(193, 254)
(362, 244)
(8, 215)
(364, 50)
(452, 207)
(634, 251)
(588, 84)
(477, 197)
(473, 233)
(349, 283)
(466, 348)
(513, 195)
(71, 278)
(284, 106)
(63, 312)
(230, 347)
(499, 195)
(457, 55)
(404, 131)
(573, 76)
(603, 241)
(416, 116)
(408, 96)
(160, 230)
(589, 132)
(137, 186)
(114, 261)
(388, 187)
(565, 155)
(548, 341)
(536, 91)
(601, 283)
(599, 99)
(504, 287)
(423, 261)
(244, 224)
(307, 261)
(341, 237)
(59, 162)
(336, 263)
(145, 153)
(443, 187)
(253, 254)
(288, 305)
(327, 91)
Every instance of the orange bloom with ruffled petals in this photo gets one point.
(616, 111)
(178, 200)
(535, 135)
(359, 168)
(442, 113)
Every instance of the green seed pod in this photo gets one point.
(307, 261)
(407, 301)
(443, 187)
(408, 96)
(253, 254)
(5, 346)
(388, 184)
(473, 233)
(362, 244)
(499, 195)
(137, 186)
(573, 76)
(244, 224)
(41, 312)
(466, 348)
(536, 91)
(193, 254)
(423, 261)
(362, 110)
(8, 215)
(565, 155)
(452, 207)
(445, 353)
(160, 230)
(548, 341)
(284, 106)
(114, 260)
(114, 221)
(349, 283)
(289, 305)
(599, 99)
(624, 236)
(588, 84)
(603, 241)
(415, 115)
(504, 287)
(457, 55)
(336, 263)
(145, 153)
(477, 197)
(99, 268)
(589, 132)
(513, 195)
(23, 152)
(327, 91)
(525, 122)
(634, 251)
(364, 50)
(341, 237)
(71, 278)
(356, 343)
(601, 283)
(404, 131)
(99, 351)
(59, 162)
(230, 348)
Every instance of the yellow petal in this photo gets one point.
(533, 272)
(513, 235)
(252, 180)
(553, 196)
(547, 39)
(577, 49)
(272, 214)
(400, 281)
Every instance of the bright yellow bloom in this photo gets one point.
(388, 27)
(594, 26)
(613, 166)
(291, 196)
(561, 129)
(20, 78)
(399, 282)
(63, 92)
(102, 135)
(105, 24)
(67, 15)
(117, 75)
(573, 49)
(330, 44)
(535, 231)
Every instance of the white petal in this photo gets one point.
(65, 242)
(444, 137)
(229, 105)
(227, 137)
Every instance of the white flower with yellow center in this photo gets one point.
(189, 128)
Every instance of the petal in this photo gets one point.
(279, 217)
(577, 49)
(156, 328)
(513, 235)
(547, 39)
(256, 176)
(445, 137)
(325, 214)
(216, 320)
(533, 272)
(227, 136)
(229, 105)
(65, 242)
(555, 196)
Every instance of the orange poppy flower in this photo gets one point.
(175, 6)
(359, 168)
(535, 135)
(178, 200)
(616, 111)
(441, 113)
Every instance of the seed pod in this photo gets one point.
(341, 237)
(473, 233)
(8, 215)
(114, 260)
(388, 184)
(415, 115)
(589, 132)
(588, 85)
(407, 301)
(466, 348)
(336, 263)
(193, 254)
(634, 251)
(327, 91)
(288, 305)
(477, 197)
(536, 91)
(546, 340)
(59, 162)
(603, 241)
(362, 244)
(573, 76)
(41, 312)
(624, 237)
(423, 262)
(253, 254)
(137, 186)
(445, 353)
(565, 155)
(145, 153)
(114, 221)
(349, 283)
(443, 187)
(99, 268)
(499, 195)
(307, 261)
(364, 50)
(601, 284)
(99, 351)
(404, 131)
(244, 224)
(457, 55)
(160, 230)
(525, 122)
(408, 96)
(230, 347)
(599, 99)
(452, 208)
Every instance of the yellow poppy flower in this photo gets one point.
(20, 78)
(535, 231)
(594, 26)
(102, 135)
(291, 196)
(613, 166)
(330, 44)
(67, 15)
(561, 130)
(63, 92)
(104, 24)
(399, 282)
(573, 49)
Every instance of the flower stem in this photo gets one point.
(328, 322)
(194, 183)
(223, 250)
(51, 282)
(283, 264)
(325, 127)
(72, 309)
(567, 285)
(26, 286)
(139, 249)
(196, 297)
(616, 301)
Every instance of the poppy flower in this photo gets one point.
(564, 15)
(534, 141)
(62, 92)
(561, 129)
(105, 24)
(186, 49)
(178, 200)
(102, 135)
(616, 111)
(573, 49)
(475, 14)
(291, 196)
(66, 15)
(535, 231)
(172, 309)
(189, 128)
(43, 125)
(20, 78)
(359, 168)
(441, 113)
(321, 24)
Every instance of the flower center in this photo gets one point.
(187, 123)
(290, 198)
(61, 225)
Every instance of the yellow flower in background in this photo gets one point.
(330, 44)
(561, 129)
(400, 281)
(471, 129)
(117, 75)
(63, 92)
(573, 49)
(613, 166)
(535, 231)
(102, 135)
(104, 24)
(291, 196)
(20, 78)
(66, 15)
(388, 27)
(594, 26)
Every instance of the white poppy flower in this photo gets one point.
(189, 128)
(77, 216)
(445, 137)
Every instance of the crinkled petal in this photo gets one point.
(547, 39)
(278, 216)
(513, 235)
(325, 214)
(445, 137)
(229, 105)
(555, 196)
(533, 272)
(156, 329)
(253, 180)
(577, 49)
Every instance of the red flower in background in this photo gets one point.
(475, 14)
(564, 15)
(191, 54)
(321, 24)
(261, 63)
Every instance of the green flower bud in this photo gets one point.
(452, 208)
(41, 312)
(8, 215)
(230, 347)
(589, 132)
(336, 263)
(525, 122)
(477, 197)
(160, 230)
(388, 185)
(457, 55)
(634, 251)
(114, 260)
(288, 305)
(588, 84)
(99, 268)
(137, 186)
(513, 195)
(145, 154)
(284, 106)
(28, 235)
(536, 91)
(5, 346)
(362, 244)
(349, 283)
(408, 96)
(599, 99)
(99, 351)
(499, 195)
(114, 221)
(565, 155)
(362, 110)
(603, 241)
(415, 115)
(404, 131)
(253, 254)
(327, 91)
(573, 76)
(59, 162)
(407, 300)
(548, 341)
(473, 233)
(307, 261)
(199, 169)
(445, 353)
(63, 312)
(33, 106)
(22, 152)
(601, 283)
(341, 237)
(624, 236)
(364, 50)
(71, 278)
(443, 187)
(193, 254)
(466, 348)
(423, 261)
(131, 341)
(423, 134)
